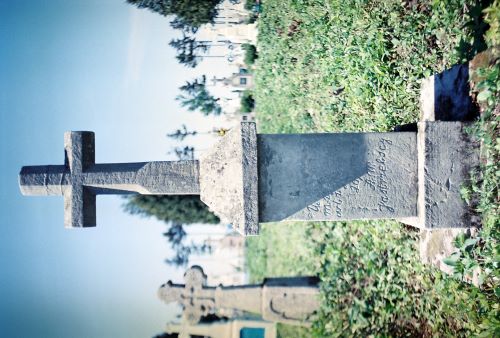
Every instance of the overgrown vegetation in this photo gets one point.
(357, 65)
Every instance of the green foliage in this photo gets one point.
(268, 256)
(247, 102)
(189, 14)
(183, 209)
(196, 97)
(250, 53)
(189, 50)
(492, 17)
(176, 212)
(292, 331)
(357, 65)
(250, 4)
(351, 65)
(479, 257)
(373, 283)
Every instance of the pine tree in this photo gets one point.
(197, 97)
(189, 50)
(189, 14)
(174, 209)
(181, 134)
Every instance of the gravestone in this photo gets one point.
(232, 328)
(249, 178)
(291, 300)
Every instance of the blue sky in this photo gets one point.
(84, 65)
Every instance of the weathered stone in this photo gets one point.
(446, 157)
(248, 178)
(337, 176)
(234, 328)
(80, 179)
(228, 179)
(291, 300)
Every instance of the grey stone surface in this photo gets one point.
(446, 157)
(80, 179)
(228, 179)
(337, 176)
(291, 300)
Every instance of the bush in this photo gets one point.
(250, 4)
(250, 53)
(247, 102)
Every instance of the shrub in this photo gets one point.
(247, 102)
(250, 53)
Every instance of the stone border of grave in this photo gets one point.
(446, 97)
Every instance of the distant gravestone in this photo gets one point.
(249, 178)
(232, 328)
(291, 300)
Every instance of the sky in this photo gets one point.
(103, 66)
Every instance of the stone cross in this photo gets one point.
(248, 178)
(80, 179)
(291, 300)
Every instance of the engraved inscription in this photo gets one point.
(370, 195)
(383, 184)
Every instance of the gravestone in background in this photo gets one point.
(232, 328)
(291, 300)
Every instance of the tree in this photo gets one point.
(176, 211)
(175, 236)
(183, 154)
(181, 134)
(189, 14)
(173, 209)
(197, 97)
(189, 50)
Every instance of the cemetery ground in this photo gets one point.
(357, 66)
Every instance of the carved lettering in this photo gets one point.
(382, 179)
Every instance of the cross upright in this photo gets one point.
(80, 179)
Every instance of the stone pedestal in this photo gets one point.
(411, 176)
(447, 155)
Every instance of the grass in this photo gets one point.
(356, 66)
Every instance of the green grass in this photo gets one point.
(357, 65)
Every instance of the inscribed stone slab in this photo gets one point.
(337, 176)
